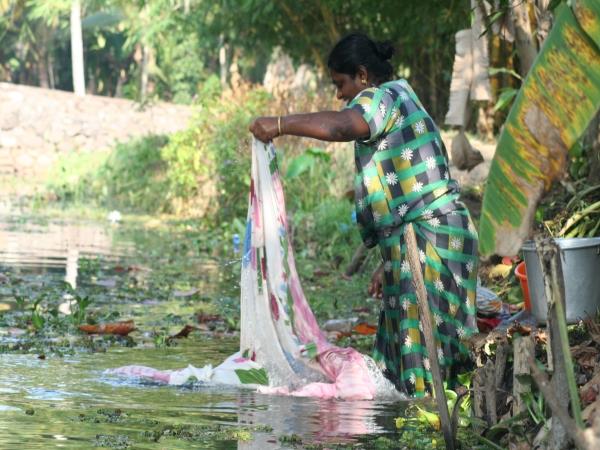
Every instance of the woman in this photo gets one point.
(402, 177)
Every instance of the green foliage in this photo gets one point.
(213, 155)
(253, 376)
(305, 162)
(526, 162)
(505, 98)
(203, 170)
(132, 176)
(182, 41)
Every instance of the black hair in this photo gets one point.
(357, 49)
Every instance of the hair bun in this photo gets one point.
(385, 49)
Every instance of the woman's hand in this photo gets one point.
(265, 128)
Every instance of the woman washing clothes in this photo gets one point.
(401, 177)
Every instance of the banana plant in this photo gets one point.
(559, 98)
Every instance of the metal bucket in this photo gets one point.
(581, 271)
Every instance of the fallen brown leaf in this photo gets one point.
(320, 273)
(364, 329)
(593, 328)
(588, 396)
(591, 411)
(541, 336)
(185, 332)
(585, 356)
(589, 391)
(203, 318)
(523, 330)
(116, 328)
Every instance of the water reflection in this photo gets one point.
(48, 248)
(315, 420)
(55, 402)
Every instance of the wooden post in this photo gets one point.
(501, 357)
(523, 351)
(563, 378)
(490, 393)
(426, 320)
(478, 384)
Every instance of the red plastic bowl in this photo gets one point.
(521, 274)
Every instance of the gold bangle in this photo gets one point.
(279, 125)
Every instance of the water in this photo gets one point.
(54, 399)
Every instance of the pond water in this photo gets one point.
(53, 389)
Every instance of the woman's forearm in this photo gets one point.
(338, 126)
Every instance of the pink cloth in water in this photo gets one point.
(279, 331)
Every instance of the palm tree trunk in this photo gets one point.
(223, 67)
(77, 49)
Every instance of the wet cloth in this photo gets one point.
(402, 177)
(282, 349)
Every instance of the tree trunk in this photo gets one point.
(316, 53)
(42, 68)
(51, 79)
(329, 22)
(144, 72)
(223, 68)
(120, 83)
(77, 49)
(91, 84)
(40, 49)
(524, 40)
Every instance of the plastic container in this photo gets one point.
(580, 259)
(521, 274)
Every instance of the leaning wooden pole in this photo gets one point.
(549, 255)
(425, 315)
(581, 440)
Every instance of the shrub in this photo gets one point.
(131, 176)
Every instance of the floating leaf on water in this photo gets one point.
(364, 329)
(187, 293)
(116, 328)
(185, 332)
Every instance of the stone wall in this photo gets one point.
(37, 125)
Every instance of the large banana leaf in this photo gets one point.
(558, 99)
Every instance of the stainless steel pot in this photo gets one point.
(581, 271)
